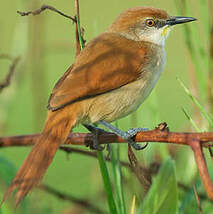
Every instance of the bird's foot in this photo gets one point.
(95, 131)
(129, 135)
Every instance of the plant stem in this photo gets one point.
(107, 184)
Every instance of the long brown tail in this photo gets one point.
(56, 129)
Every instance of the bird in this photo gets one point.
(109, 79)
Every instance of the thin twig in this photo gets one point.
(197, 199)
(187, 189)
(144, 176)
(45, 7)
(70, 150)
(63, 196)
(6, 82)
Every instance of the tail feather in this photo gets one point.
(31, 172)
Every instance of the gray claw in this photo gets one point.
(132, 132)
(137, 146)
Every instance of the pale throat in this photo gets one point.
(158, 36)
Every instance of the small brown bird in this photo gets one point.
(109, 79)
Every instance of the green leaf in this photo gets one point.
(117, 174)
(193, 123)
(196, 102)
(199, 55)
(162, 197)
(7, 173)
(7, 170)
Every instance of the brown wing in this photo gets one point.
(106, 63)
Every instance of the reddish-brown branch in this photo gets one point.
(202, 167)
(160, 134)
(43, 8)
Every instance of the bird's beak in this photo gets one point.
(174, 20)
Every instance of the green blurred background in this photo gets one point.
(46, 44)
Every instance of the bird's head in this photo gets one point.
(146, 24)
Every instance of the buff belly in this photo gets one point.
(120, 102)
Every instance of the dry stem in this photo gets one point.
(82, 202)
(6, 82)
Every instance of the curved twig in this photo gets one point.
(43, 8)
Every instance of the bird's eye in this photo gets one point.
(150, 22)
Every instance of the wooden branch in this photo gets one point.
(202, 167)
(158, 135)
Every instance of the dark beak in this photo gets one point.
(174, 20)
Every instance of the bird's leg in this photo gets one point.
(125, 135)
(95, 131)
